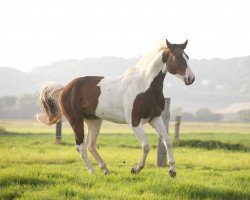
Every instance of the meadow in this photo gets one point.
(212, 161)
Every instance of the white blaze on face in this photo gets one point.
(189, 74)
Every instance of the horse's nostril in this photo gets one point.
(193, 79)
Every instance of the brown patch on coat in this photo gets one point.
(79, 100)
(150, 103)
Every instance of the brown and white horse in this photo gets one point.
(134, 98)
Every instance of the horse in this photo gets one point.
(134, 98)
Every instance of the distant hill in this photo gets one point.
(235, 108)
(219, 82)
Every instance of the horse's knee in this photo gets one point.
(91, 148)
(146, 148)
(169, 145)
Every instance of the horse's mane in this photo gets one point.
(145, 61)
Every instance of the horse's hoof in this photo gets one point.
(172, 173)
(133, 171)
(106, 172)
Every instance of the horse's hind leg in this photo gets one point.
(81, 146)
(72, 110)
(93, 132)
(77, 126)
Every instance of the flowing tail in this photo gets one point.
(49, 102)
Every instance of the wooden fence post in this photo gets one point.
(58, 132)
(177, 127)
(161, 149)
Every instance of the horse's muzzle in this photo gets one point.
(189, 81)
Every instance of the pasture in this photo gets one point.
(212, 161)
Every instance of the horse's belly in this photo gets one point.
(110, 114)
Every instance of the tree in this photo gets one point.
(205, 115)
(244, 115)
(186, 116)
(22, 107)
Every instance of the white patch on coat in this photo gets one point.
(82, 149)
(179, 76)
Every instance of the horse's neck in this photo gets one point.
(145, 75)
(157, 84)
(153, 69)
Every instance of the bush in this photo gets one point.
(2, 130)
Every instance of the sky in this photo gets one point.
(36, 33)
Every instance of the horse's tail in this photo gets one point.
(49, 102)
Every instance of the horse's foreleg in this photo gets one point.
(158, 125)
(93, 132)
(139, 132)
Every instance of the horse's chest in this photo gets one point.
(147, 106)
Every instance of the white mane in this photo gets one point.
(146, 61)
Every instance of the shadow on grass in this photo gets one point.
(13, 194)
(11, 186)
(199, 192)
(63, 143)
(188, 191)
(5, 133)
(19, 180)
(203, 144)
(211, 145)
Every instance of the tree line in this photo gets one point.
(206, 115)
(21, 107)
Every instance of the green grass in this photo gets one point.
(213, 162)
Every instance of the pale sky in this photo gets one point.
(35, 33)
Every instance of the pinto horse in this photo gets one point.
(134, 98)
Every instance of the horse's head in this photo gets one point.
(176, 61)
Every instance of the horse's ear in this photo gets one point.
(165, 55)
(169, 45)
(184, 45)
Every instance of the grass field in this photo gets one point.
(213, 162)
